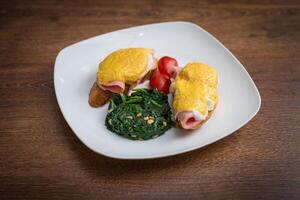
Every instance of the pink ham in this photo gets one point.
(113, 86)
(187, 120)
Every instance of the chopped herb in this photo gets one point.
(155, 103)
(144, 115)
(123, 97)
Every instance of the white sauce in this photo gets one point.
(198, 116)
(150, 65)
(150, 62)
(210, 104)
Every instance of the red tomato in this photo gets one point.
(168, 66)
(161, 82)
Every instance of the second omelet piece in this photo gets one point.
(195, 94)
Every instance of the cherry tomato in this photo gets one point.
(168, 66)
(161, 82)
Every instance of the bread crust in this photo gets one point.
(99, 97)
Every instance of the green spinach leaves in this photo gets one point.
(144, 115)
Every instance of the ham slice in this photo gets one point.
(113, 86)
(187, 120)
(119, 86)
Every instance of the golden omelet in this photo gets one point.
(126, 65)
(195, 94)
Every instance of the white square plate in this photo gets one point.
(75, 72)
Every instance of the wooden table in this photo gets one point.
(40, 157)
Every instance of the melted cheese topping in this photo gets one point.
(195, 89)
(126, 65)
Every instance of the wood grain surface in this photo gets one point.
(41, 158)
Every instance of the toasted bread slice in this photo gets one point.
(99, 97)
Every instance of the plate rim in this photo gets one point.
(161, 155)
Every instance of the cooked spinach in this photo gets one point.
(144, 115)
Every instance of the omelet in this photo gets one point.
(124, 66)
(195, 94)
(121, 70)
